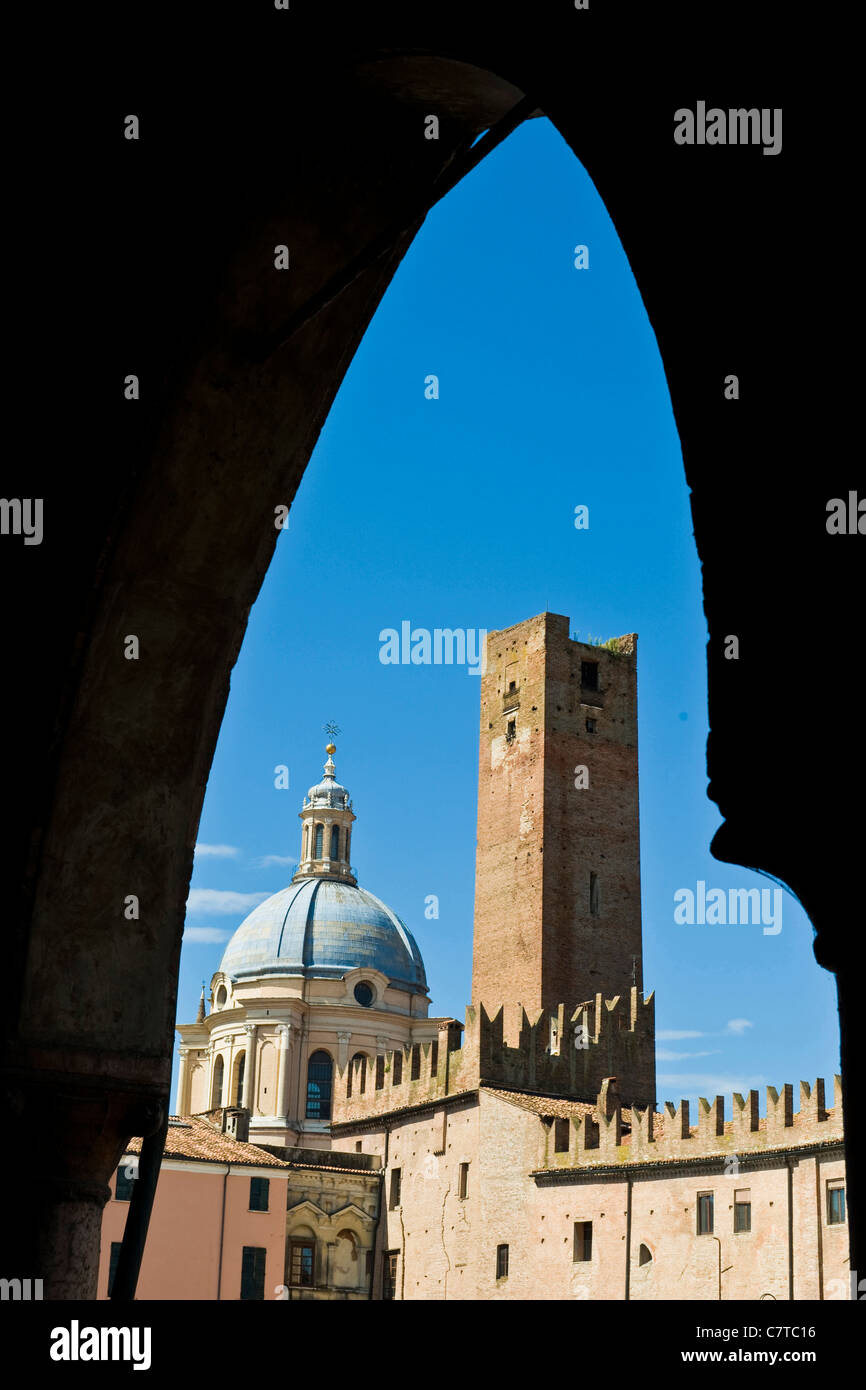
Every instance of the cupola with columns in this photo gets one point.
(326, 829)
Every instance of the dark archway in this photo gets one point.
(111, 755)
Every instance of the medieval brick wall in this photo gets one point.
(639, 1196)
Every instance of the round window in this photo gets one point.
(364, 994)
(221, 996)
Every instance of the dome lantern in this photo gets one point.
(326, 829)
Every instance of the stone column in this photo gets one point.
(249, 1096)
(285, 1032)
(182, 1080)
(226, 1097)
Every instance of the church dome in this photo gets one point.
(323, 928)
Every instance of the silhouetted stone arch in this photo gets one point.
(110, 757)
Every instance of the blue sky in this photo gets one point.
(459, 513)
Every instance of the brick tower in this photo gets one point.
(557, 885)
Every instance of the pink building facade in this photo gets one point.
(218, 1226)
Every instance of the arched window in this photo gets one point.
(221, 997)
(398, 1067)
(335, 842)
(358, 1057)
(319, 1073)
(320, 830)
(216, 1097)
(239, 1089)
(307, 840)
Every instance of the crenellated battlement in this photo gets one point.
(609, 1132)
(569, 1053)
(566, 1052)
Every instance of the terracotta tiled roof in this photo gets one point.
(545, 1105)
(204, 1143)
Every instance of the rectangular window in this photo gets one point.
(380, 1072)
(743, 1209)
(463, 1180)
(389, 1278)
(416, 1063)
(511, 731)
(359, 1146)
(302, 1263)
(594, 895)
(113, 1257)
(705, 1213)
(835, 1203)
(368, 1263)
(589, 675)
(259, 1188)
(502, 1262)
(394, 1195)
(590, 726)
(253, 1272)
(560, 1136)
(582, 1242)
(398, 1068)
(125, 1181)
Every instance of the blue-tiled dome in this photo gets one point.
(318, 927)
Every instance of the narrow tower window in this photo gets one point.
(394, 1197)
(335, 842)
(511, 731)
(594, 895)
(589, 675)
(320, 830)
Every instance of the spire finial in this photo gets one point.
(333, 731)
(200, 1017)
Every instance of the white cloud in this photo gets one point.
(217, 851)
(676, 1035)
(739, 1025)
(707, 1084)
(269, 859)
(663, 1056)
(214, 900)
(204, 936)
